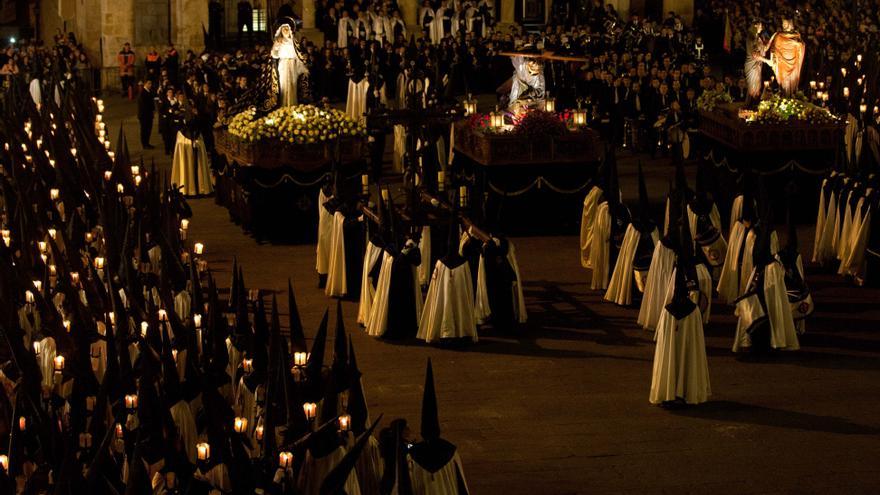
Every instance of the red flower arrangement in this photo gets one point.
(538, 123)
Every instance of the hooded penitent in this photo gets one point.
(448, 312)
(436, 467)
(635, 252)
(764, 313)
(681, 370)
(609, 229)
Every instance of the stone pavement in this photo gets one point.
(563, 407)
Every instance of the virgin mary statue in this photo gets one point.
(290, 65)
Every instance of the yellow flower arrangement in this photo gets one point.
(298, 124)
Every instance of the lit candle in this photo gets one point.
(174, 355)
(859, 58)
(144, 328)
(42, 246)
(22, 423)
(108, 175)
(310, 408)
(120, 188)
(28, 297)
(89, 237)
(344, 422)
(119, 431)
(863, 108)
(240, 425)
(135, 170)
(38, 285)
(52, 163)
(59, 363)
(203, 451)
(258, 433)
(66, 324)
(300, 358)
(112, 317)
(199, 248)
(845, 92)
(137, 180)
(74, 278)
(112, 156)
(163, 315)
(53, 271)
(247, 365)
(99, 263)
(73, 152)
(843, 71)
(52, 233)
(197, 320)
(285, 459)
(4, 462)
(184, 224)
(131, 401)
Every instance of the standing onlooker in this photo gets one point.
(245, 19)
(172, 63)
(126, 70)
(146, 109)
(169, 114)
(153, 65)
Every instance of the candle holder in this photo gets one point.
(470, 105)
(203, 451)
(310, 409)
(344, 423)
(58, 364)
(240, 425)
(496, 119)
(285, 459)
(550, 104)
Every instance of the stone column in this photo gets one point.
(117, 27)
(306, 10)
(508, 10)
(409, 11)
(187, 19)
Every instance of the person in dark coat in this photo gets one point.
(146, 109)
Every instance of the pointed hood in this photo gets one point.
(340, 350)
(791, 241)
(681, 305)
(430, 426)
(334, 482)
(612, 192)
(315, 364)
(748, 202)
(297, 336)
(357, 403)
(644, 202)
(761, 254)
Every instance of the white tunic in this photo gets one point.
(449, 306)
(681, 370)
(620, 287)
(656, 286)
